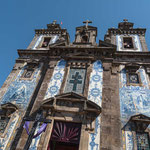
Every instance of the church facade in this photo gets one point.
(78, 96)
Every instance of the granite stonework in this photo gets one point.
(56, 80)
(95, 95)
(88, 78)
(19, 92)
(52, 90)
(133, 100)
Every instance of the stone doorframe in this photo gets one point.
(69, 107)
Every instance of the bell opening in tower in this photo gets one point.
(128, 43)
(65, 136)
(85, 39)
(46, 42)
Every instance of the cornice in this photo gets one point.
(81, 53)
(49, 31)
(141, 54)
(140, 31)
(108, 54)
(66, 49)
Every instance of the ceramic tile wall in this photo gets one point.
(39, 38)
(95, 95)
(7, 139)
(20, 91)
(19, 94)
(36, 140)
(53, 89)
(56, 80)
(133, 100)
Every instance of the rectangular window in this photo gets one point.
(133, 78)
(128, 43)
(142, 141)
(27, 74)
(75, 81)
(3, 123)
(46, 42)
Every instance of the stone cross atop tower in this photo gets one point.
(87, 22)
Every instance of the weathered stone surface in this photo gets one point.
(99, 107)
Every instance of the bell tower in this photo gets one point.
(127, 38)
(86, 34)
(50, 37)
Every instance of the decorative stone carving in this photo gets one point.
(74, 104)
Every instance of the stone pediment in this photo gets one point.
(140, 118)
(70, 95)
(139, 122)
(8, 108)
(132, 67)
(71, 103)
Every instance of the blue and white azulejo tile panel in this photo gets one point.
(35, 141)
(95, 95)
(39, 38)
(119, 43)
(56, 80)
(6, 139)
(94, 138)
(19, 92)
(96, 83)
(133, 100)
(128, 138)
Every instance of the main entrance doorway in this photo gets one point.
(65, 136)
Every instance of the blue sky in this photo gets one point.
(19, 18)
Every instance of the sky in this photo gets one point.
(19, 19)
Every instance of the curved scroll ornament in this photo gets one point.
(42, 128)
(66, 132)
